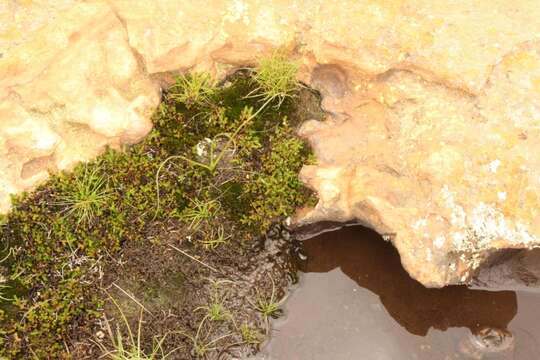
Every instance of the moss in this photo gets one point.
(53, 257)
(275, 191)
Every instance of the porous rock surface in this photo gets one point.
(70, 85)
(434, 106)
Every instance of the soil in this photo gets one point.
(174, 290)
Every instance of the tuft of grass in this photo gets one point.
(216, 310)
(131, 348)
(267, 306)
(85, 199)
(215, 238)
(199, 211)
(193, 89)
(250, 335)
(202, 341)
(276, 78)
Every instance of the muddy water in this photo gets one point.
(355, 301)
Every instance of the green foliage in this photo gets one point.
(275, 189)
(249, 334)
(276, 78)
(202, 341)
(193, 89)
(199, 211)
(267, 305)
(85, 199)
(131, 348)
(60, 236)
(215, 310)
(53, 262)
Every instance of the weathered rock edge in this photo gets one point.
(432, 138)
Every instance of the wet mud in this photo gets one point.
(177, 294)
(355, 301)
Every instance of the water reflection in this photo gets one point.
(355, 301)
(375, 265)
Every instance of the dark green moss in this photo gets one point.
(52, 259)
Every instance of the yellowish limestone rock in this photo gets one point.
(70, 85)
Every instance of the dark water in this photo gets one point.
(355, 301)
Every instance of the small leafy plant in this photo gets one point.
(216, 237)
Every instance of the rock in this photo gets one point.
(434, 106)
(451, 176)
(70, 85)
(512, 269)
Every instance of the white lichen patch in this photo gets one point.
(421, 223)
(388, 237)
(237, 10)
(478, 229)
(429, 255)
(487, 223)
(329, 188)
(439, 241)
(458, 238)
(494, 165)
(458, 216)
(201, 149)
(271, 26)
